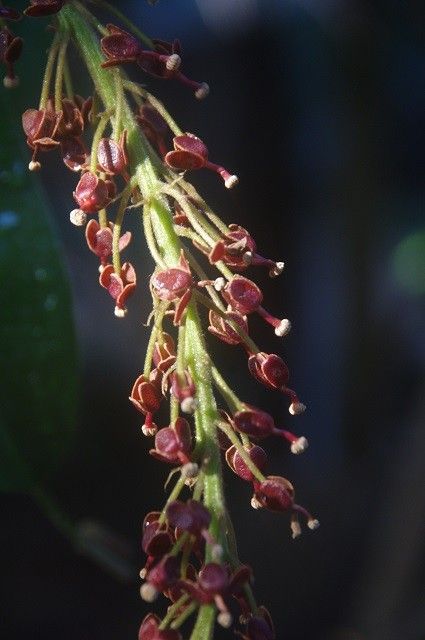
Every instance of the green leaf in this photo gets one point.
(38, 389)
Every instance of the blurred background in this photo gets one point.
(318, 106)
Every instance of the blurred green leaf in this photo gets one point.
(409, 263)
(37, 342)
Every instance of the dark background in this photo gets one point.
(319, 108)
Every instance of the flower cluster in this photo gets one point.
(131, 159)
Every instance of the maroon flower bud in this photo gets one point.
(236, 463)
(112, 156)
(154, 127)
(213, 578)
(164, 355)
(161, 577)
(260, 627)
(71, 122)
(191, 516)
(145, 395)
(119, 46)
(40, 127)
(44, 7)
(74, 153)
(254, 422)
(275, 493)
(191, 153)
(91, 193)
(269, 369)
(224, 330)
(149, 630)
(173, 444)
(174, 284)
(156, 541)
(99, 240)
(120, 287)
(10, 50)
(6, 13)
(242, 295)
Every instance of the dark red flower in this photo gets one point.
(145, 395)
(269, 369)
(156, 539)
(224, 330)
(91, 193)
(237, 464)
(121, 286)
(191, 153)
(189, 516)
(173, 444)
(242, 295)
(10, 50)
(174, 284)
(154, 127)
(164, 354)
(44, 7)
(74, 153)
(112, 156)
(99, 240)
(149, 630)
(259, 626)
(40, 126)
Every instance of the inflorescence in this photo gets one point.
(131, 158)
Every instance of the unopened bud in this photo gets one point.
(202, 91)
(10, 83)
(78, 217)
(34, 165)
(231, 182)
(300, 445)
(119, 312)
(283, 328)
(173, 62)
(296, 408)
(148, 592)
(189, 405)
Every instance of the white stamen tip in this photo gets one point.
(143, 573)
(34, 165)
(189, 405)
(313, 524)
(296, 529)
(173, 62)
(78, 217)
(190, 470)
(10, 83)
(231, 182)
(296, 408)
(219, 284)
(300, 445)
(247, 258)
(283, 328)
(148, 592)
(277, 269)
(225, 619)
(120, 312)
(255, 504)
(202, 91)
(149, 431)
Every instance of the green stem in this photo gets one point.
(116, 258)
(60, 68)
(231, 398)
(49, 70)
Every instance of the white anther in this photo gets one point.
(173, 62)
(231, 182)
(120, 312)
(202, 91)
(149, 431)
(190, 470)
(34, 165)
(295, 528)
(277, 269)
(10, 83)
(247, 258)
(219, 284)
(300, 445)
(148, 592)
(217, 553)
(78, 217)
(225, 619)
(255, 504)
(143, 573)
(283, 328)
(313, 524)
(189, 405)
(295, 408)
